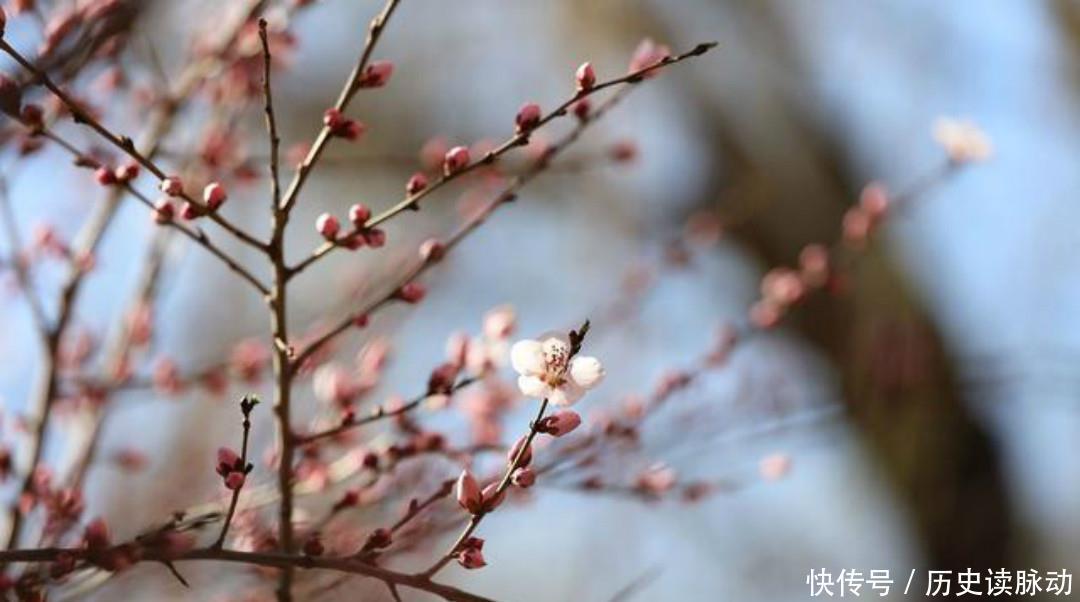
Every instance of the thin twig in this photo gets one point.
(520, 138)
(246, 405)
(352, 85)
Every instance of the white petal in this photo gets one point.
(566, 395)
(527, 357)
(532, 386)
(586, 371)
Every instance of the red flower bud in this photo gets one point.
(214, 195)
(163, 210)
(528, 116)
(377, 74)
(412, 292)
(416, 184)
(105, 176)
(455, 160)
(172, 186)
(432, 250)
(328, 226)
(359, 215)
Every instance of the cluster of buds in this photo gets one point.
(860, 222)
(121, 175)
(782, 288)
(232, 468)
(518, 459)
(329, 227)
(472, 498)
(342, 126)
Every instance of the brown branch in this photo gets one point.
(123, 143)
(379, 413)
(273, 560)
(271, 120)
(194, 233)
(352, 85)
(507, 194)
(520, 138)
(246, 405)
(474, 521)
(40, 406)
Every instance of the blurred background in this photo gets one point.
(927, 412)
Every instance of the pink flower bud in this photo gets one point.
(492, 497)
(442, 378)
(352, 130)
(214, 195)
(105, 176)
(647, 55)
(412, 292)
(227, 461)
(96, 535)
(775, 466)
(172, 186)
(416, 184)
(361, 321)
(528, 116)
(560, 423)
(432, 250)
(163, 210)
(471, 558)
(582, 109)
(874, 200)
(234, 481)
(333, 119)
(359, 215)
(126, 173)
(467, 492)
(499, 323)
(766, 314)
(189, 211)
(523, 477)
(856, 227)
(328, 226)
(585, 77)
(526, 458)
(455, 160)
(375, 238)
(377, 74)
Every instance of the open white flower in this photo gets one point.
(962, 140)
(548, 372)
